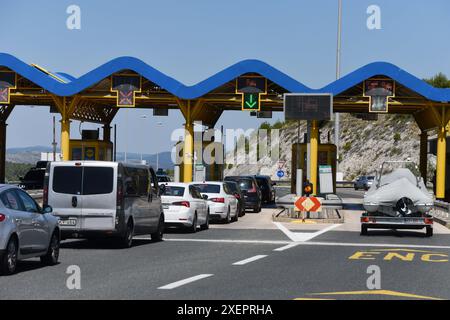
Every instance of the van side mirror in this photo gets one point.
(47, 209)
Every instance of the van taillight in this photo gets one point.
(45, 191)
(2, 217)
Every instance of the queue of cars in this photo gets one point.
(100, 199)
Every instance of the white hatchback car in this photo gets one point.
(184, 206)
(222, 202)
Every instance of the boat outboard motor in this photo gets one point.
(404, 206)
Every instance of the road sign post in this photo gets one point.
(307, 204)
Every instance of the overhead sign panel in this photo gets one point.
(298, 106)
(251, 88)
(379, 91)
(126, 87)
(7, 82)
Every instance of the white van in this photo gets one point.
(95, 199)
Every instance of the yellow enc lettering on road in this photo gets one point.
(407, 255)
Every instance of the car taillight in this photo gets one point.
(2, 217)
(237, 196)
(220, 200)
(253, 189)
(365, 219)
(428, 221)
(182, 203)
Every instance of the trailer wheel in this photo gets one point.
(363, 230)
(429, 231)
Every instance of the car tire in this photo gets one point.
(126, 241)
(205, 226)
(193, 228)
(364, 230)
(257, 209)
(429, 232)
(159, 234)
(236, 217)
(52, 255)
(8, 262)
(228, 218)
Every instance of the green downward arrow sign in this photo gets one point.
(251, 103)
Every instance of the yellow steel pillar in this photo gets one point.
(424, 155)
(65, 138)
(188, 150)
(441, 161)
(314, 155)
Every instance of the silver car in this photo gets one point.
(26, 230)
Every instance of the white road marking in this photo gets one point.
(291, 245)
(274, 242)
(303, 236)
(242, 262)
(185, 281)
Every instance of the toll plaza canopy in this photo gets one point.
(129, 82)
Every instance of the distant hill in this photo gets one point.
(30, 155)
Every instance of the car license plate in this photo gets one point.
(68, 222)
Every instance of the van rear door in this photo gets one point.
(99, 196)
(64, 193)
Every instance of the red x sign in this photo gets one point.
(308, 204)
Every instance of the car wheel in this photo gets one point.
(193, 228)
(228, 218)
(9, 260)
(52, 255)
(236, 217)
(364, 230)
(206, 225)
(429, 232)
(158, 235)
(127, 239)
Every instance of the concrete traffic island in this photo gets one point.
(330, 211)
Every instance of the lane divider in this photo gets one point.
(183, 282)
(242, 262)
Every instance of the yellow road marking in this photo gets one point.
(378, 292)
(304, 222)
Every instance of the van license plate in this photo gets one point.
(68, 222)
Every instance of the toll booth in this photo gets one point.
(89, 147)
(91, 150)
(326, 156)
(205, 169)
(432, 148)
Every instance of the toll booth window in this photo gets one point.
(97, 180)
(67, 180)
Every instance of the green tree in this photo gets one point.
(439, 81)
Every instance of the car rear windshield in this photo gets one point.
(174, 191)
(83, 180)
(246, 184)
(208, 188)
(34, 175)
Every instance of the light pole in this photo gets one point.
(159, 124)
(143, 117)
(338, 75)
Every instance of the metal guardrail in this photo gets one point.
(441, 211)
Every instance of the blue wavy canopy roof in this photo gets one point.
(75, 85)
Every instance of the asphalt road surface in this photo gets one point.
(253, 258)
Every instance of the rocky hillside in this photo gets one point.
(364, 145)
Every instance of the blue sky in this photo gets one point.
(193, 39)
